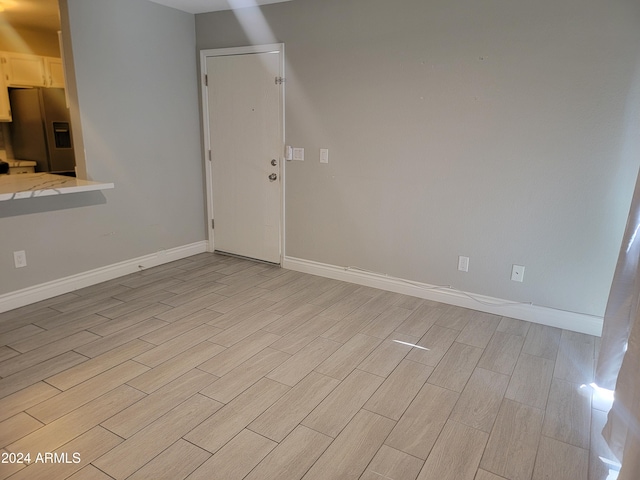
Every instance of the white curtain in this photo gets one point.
(618, 365)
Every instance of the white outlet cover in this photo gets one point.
(517, 273)
(463, 264)
(324, 155)
(20, 259)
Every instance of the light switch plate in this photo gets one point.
(324, 155)
(298, 154)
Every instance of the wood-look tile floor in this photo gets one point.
(214, 367)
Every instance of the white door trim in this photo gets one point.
(217, 52)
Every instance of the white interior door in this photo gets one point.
(244, 106)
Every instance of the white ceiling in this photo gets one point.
(202, 6)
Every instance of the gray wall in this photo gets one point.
(136, 72)
(504, 131)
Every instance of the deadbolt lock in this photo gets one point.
(274, 162)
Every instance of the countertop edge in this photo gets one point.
(32, 185)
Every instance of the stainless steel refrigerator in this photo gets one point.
(41, 129)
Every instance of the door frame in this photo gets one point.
(208, 167)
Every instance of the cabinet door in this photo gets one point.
(5, 109)
(24, 70)
(54, 72)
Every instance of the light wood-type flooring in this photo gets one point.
(214, 367)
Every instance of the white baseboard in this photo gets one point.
(30, 295)
(577, 322)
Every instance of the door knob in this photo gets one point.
(274, 162)
(273, 177)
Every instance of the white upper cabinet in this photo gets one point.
(5, 109)
(23, 70)
(54, 72)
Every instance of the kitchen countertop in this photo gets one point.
(20, 163)
(29, 185)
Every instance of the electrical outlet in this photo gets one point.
(20, 259)
(517, 273)
(463, 264)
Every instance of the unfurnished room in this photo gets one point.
(319, 239)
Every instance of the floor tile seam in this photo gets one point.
(48, 398)
(391, 373)
(49, 345)
(220, 401)
(246, 427)
(102, 471)
(146, 395)
(74, 310)
(42, 424)
(173, 408)
(290, 387)
(12, 345)
(367, 372)
(301, 424)
(543, 411)
(488, 436)
(510, 335)
(166, 359)
(591, 450)
(241, 392)
(535, 459)
(310, 466)
(41, 363)
(399, 449)
(141, 466)
(197, 367)
(277, 442)
(164, 302)
(182, 353)
(154, 345)
(13, 350)
(569, 443)
(547, 404)
(447, 388)
(18, 328)
(344, 427)
(380, 414)
(139, 296)
(305, 323)
(142, 391)
(564, 443)
(119, 330)
(378, 450)
(151, 345)
(90, 400)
